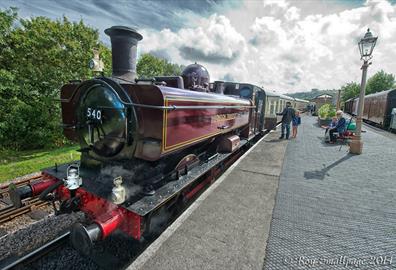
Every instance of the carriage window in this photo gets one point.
(245, 92)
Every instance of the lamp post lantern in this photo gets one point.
(366, 47)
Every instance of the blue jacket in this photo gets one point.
(296, 120)
(341, 125)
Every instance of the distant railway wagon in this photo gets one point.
(301, 104)
(377, 107)
(348, 106)
(275, 104)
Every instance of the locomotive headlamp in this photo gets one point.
(118, 191)
(367, 44)
(96, 64)
(73, 180)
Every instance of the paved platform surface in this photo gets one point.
(332, 210)
(229, 229)
(335, 210)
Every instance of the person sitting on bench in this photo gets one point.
(339, 128)
(333, 123)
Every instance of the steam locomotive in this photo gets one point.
(145, 143)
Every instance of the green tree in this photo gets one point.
(149, 66)
(349, 90)
(380, 81)
(37, 57)
(7, 18)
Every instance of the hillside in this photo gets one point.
(313, 93)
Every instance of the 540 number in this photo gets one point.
(94, 114)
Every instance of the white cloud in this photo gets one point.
(282, 45)
(214, 43)
(275, 45)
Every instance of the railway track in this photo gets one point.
(8, 211)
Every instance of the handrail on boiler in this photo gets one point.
(170, 108)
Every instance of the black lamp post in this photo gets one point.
(366, 47)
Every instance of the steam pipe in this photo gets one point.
(50, 189)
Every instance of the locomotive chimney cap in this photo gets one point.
(119, 30)
(124, 42)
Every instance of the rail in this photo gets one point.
(9, 211)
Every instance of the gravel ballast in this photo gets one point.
(37, 234)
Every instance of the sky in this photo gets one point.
(281, 45)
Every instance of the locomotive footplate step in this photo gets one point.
(227, 227)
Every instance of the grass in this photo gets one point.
(18, 163)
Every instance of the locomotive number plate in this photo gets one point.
(94, 114)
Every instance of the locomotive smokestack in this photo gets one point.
(124, 48)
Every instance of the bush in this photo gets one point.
(29, 126)
(327, 111)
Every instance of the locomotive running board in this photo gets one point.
(166, 192)
(147, 204)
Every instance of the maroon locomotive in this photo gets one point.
(144, 143)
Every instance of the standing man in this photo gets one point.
(287, 116)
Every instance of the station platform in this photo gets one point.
(293, 204)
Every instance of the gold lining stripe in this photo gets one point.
(205, 100)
